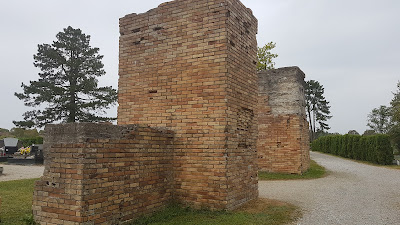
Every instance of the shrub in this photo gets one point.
(375, 148)
(30, 141)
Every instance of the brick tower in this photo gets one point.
(190, 66)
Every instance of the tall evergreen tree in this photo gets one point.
(67, 87)
(317, 108)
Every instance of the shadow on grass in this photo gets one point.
(260, 211)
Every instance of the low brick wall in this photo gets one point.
(98, 173)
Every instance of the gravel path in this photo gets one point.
(15, 172)
(352, 193)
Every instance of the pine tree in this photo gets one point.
(317, 108)
(67, 87)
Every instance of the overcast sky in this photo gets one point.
(352, 47)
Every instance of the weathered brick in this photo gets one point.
(194, 64)
(283, 142)
(79, 192)
(189, 67)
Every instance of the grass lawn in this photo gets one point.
(257, 212)
(315, 171)
(16, 201)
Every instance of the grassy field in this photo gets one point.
(258, 212)
(16, 201)
(315, 171)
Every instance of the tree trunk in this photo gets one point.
(310, 123)
(72, 105)
(314, 129)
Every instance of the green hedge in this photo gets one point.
(30, 141)
(376, 148)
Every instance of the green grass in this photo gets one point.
(16, 201)
(315, 171)
(258, 212)
(16, 209)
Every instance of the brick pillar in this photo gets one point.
(189, 65)
(283, 142)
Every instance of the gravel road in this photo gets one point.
(15, 172)
(352, 193)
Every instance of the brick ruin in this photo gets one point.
(283, 141)
(187, 122)
(189, 66)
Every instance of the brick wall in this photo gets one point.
(97, 173)
(190, 66)
(242, 87)
(283, 142)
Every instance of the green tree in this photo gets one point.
(24, 133)
(19, 133)
(395, 104)
(67, 87)
(369, 133)
(317, 108)
(380, 120)
(353, 132)
(4, 133)
(395, 112)
(265, 57)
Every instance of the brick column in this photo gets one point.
(283, 142)
(189, 65)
